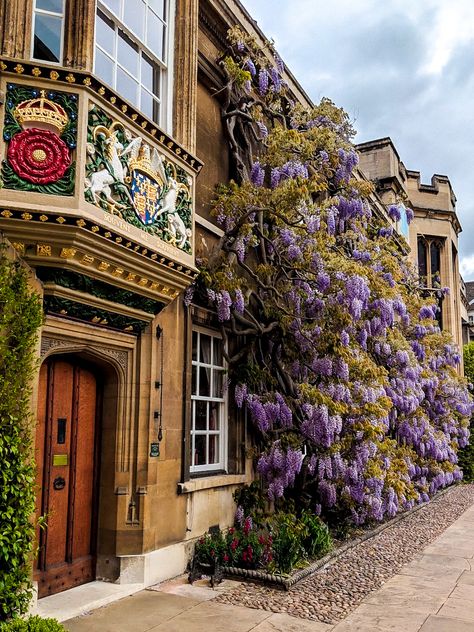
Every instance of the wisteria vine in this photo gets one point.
(352, 389)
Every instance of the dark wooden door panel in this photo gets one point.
(65, 451)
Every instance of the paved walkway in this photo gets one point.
(433, 593)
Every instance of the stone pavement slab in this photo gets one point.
(70, 603)
(144, 611)
(285, 623)
(435, 623)
(433, 593)
(460, 604)
(467, 578)
(436, 566)
(213, 616)
(424, 594)
(383, 618)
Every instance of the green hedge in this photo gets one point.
(20, 318)
(32, 624)
(466, 455)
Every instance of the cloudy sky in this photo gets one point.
(400, 68)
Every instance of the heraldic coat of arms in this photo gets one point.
(127, 177)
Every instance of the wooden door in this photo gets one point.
(66, 456)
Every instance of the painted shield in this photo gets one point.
(146, 193)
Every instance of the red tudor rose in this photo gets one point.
(39, 156)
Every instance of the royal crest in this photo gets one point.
(129, 178)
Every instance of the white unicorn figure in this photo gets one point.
(114, 171)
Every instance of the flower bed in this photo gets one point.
(269, 549)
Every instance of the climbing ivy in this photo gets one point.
(20, 318)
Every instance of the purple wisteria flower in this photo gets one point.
(263, 79)
(257, 174)
(394, 212)
(251, 67)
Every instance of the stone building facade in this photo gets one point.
(434, 231)
(112, 143)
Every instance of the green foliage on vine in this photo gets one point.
(20, 318)
(466, 455)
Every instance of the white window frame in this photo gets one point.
(165, 97)
(61, 15)
(223, 409)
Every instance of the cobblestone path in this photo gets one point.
(332, 593)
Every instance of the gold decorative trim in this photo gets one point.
(67, 253)
(93, 84)
(89, 226)
(19, 247)
(43, 250)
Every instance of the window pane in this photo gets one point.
(104, 67)
(56, 6)
(218, 357)
(155, 34)
(114, 5)
(158, 6)
(127, 54)
(200, 415)
(199, 449)
(214, 415)
(204, 379)
(194, 381)
(213, 449)
(150, 76)
(205, 356)
(422, 267)
(156, 111)
(47, 42)
(435, 261)
(127, 86)
(134, 16)
(195, 343)
(146, 104)
(104, 33)
(217, 383)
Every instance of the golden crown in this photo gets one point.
(42, 110)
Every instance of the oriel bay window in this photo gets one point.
(209, 406)
(48, 30)
(132, 53)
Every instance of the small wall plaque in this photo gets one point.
(154, 449)
(60, 459)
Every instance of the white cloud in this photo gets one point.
(466, 267)
(401, 68)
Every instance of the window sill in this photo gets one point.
(208, 482)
